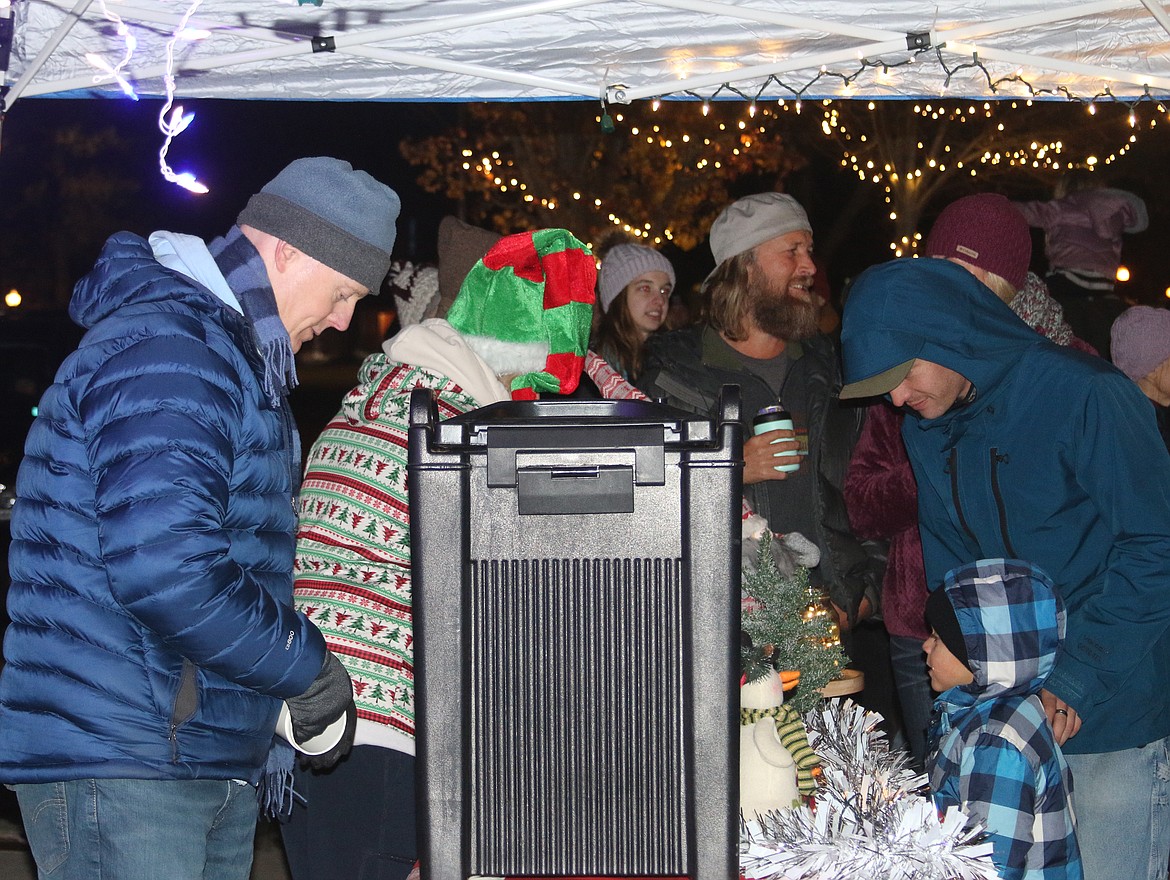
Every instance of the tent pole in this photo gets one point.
(393, 56)
(422, 28)
(1004, 25)
(1159, 13)
(63, 29)
(305, 47)
(289, 45)
(793, 21)
(1044, 62)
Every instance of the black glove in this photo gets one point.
(327, 759)
(330, 694)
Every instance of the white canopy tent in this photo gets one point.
(616, 51)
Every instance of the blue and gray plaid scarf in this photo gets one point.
(244, 271)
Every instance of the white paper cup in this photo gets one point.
(318, 745)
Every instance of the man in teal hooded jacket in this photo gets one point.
(1023, 449)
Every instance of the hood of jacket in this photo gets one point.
(128, 274)
(934, 310)
(433, 346)
(437, 346)
(1013, 624)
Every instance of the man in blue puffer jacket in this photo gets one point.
(153, 634)
(1027, 450)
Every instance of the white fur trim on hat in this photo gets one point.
(507, 358)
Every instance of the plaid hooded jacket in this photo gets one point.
(996, 758)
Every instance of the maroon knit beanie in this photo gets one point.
(987, 231)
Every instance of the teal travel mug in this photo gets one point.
(775, 418)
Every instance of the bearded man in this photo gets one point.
(758, 330)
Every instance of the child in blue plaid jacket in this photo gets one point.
(997, 626)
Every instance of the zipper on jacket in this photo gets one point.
(186, 702)
(953, 464)
(996, 461)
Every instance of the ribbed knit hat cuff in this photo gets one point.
(320, 239)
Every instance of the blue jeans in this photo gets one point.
(1122, 802)
(140, 829)
(914, 693)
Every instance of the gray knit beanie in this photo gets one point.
(622, 264)
(338, 216)
(1140, 340)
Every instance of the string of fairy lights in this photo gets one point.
(1049, 155)
(782, 96)
(172, 121)
(776, 94)
(501, 173)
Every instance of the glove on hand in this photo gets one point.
(327, 759)
(330, 694)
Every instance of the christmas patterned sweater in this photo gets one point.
(353, 576)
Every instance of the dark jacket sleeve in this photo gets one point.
(880, 491)
(852, 567)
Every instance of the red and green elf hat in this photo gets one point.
(526, 308)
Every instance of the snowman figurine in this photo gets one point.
(776, 763)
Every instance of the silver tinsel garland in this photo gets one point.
(873, 816)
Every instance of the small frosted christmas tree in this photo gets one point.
(787, 627)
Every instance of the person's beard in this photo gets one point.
(782, 316)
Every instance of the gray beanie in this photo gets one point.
(622, 264)
(338, 216)
(1140, 340)
(753, 220)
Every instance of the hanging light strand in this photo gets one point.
(129, 45)
(883, 72)
(173, 122)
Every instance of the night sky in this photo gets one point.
(236, 146)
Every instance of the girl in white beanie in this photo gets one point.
(633, 290)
